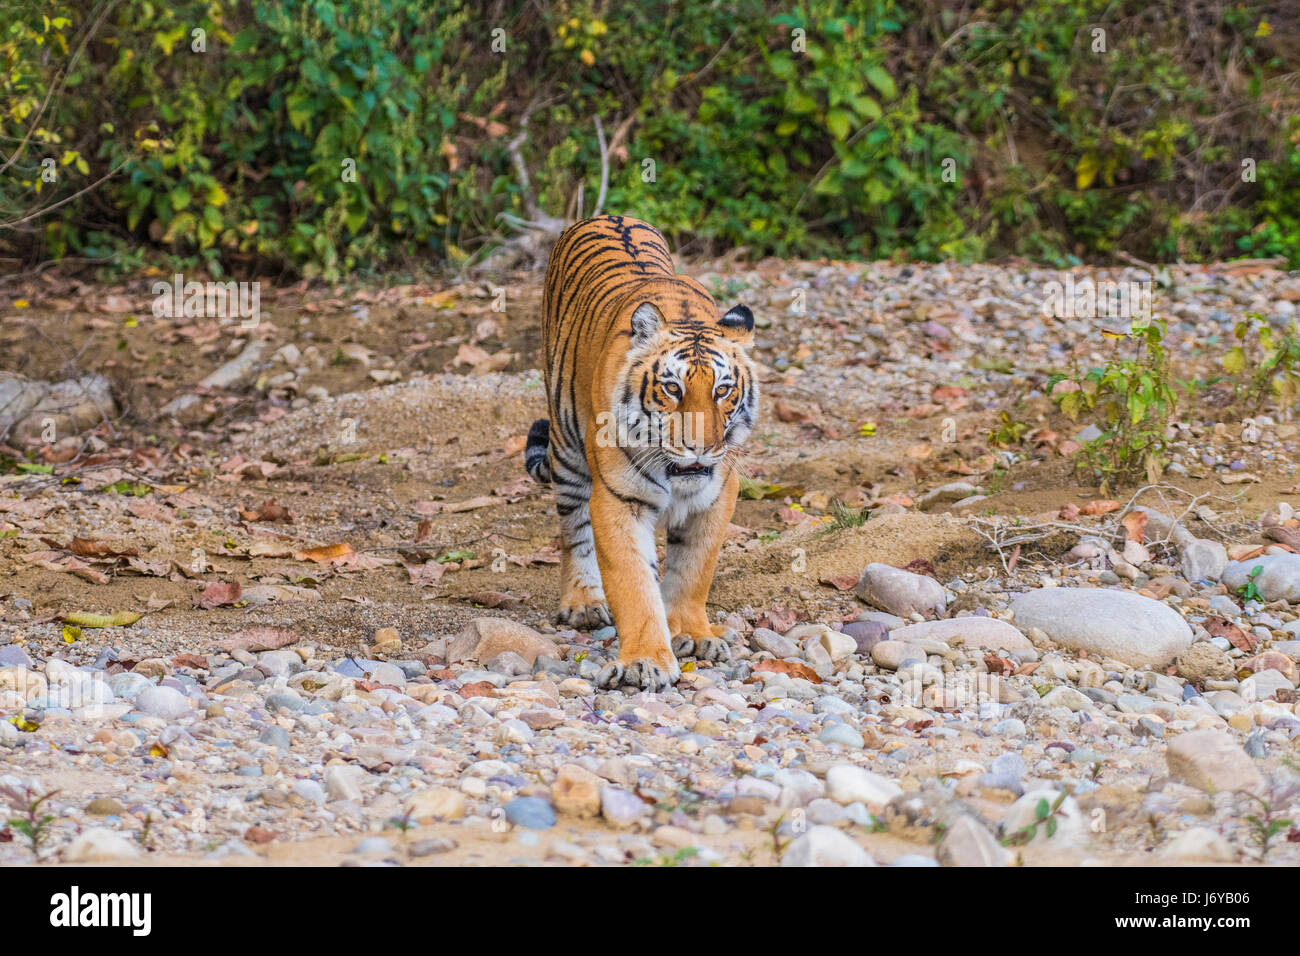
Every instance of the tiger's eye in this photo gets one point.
(672, 389)
(721, 392)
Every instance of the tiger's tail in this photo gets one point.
(536, 452)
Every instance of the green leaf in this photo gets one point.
(882, 81)
(1234, 360)
(1086, 171)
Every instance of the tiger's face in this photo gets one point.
(689, 393)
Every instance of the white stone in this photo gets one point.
(1129, 627)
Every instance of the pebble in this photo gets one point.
(533, 813)
(825, 846)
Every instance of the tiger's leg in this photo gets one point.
(582, 599)
(693, 548)
(625, 548)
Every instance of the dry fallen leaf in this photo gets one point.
(1135, 523)
(256, 639)
(1100, 506)
(791, 668)
(841, 582)
(1222, 627)
(325, 553)
(218, 594)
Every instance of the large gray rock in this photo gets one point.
(1204, 560)
(27, 406)
(1211, 760)
(900, 592)
(1120, 624)
(1278, 581)
(986, 633)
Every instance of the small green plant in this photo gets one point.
(676, 859)
(1046, 814)
(1132, 400)
(1282, 789)
(1274, 357)
(842, 516)
(1008, 432)
(30, 821)
(1249, 591)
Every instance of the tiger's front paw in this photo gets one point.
(585, 617)
(715, 649)
(641, 673)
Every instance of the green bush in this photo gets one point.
(896, 128)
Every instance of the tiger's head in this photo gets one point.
(689, 395)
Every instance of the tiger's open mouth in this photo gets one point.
(696, 470)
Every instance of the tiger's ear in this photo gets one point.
(646, 321)
(738, 324)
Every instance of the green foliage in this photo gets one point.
(1273, 360)
(30, 820)
(1132, 400)
(841, 128)
(1046, 814)
(1249, 591)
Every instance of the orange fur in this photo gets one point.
(630, 343)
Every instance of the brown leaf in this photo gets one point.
(1135, 523)
(1283, 535)
(256, 834)
(423, 531)
(1099, 506)
(268, 510)
(325, 553)
(796, 413)
(256, 639)
(495, 599)
(427, 574)
(218, 594)
(89, 548)
(792, 668)
(1222, 627)
(841, 582)
(1244, 552)
(920, 566)
(778, 619)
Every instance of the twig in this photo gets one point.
(604, 168)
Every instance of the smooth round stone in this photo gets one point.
(128, 684)
(1010, 727)
(275, 736)
(825, 846)
(166, 702)
(846, 784)
(532, 813)
(985, 633)
(1129, 627)
(372, 846)
(286, 699)
(1279, 579)
(621, 808)
(842, 734)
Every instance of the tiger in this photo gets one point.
(650, 395)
